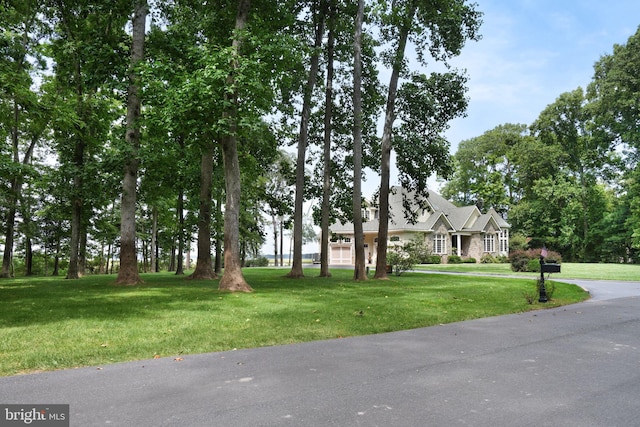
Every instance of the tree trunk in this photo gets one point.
(204, 263)
(12, 199)
(82, 251)
(56, 260)
(16, 182)
(179, 266)
(76, 211)
(9, 236)
(281, 242)
(274, 221)
(218, 260)
(359, 272)
(326, 184)
(154, 239)
(128, 273)
(296, 268)
(385, 167)
(232, 278)
(28, 257)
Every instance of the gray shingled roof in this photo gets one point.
(457, 217)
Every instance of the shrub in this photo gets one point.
(400, 260)
(502, 259)
(487, 259)
(526, 260)
(533, 265)
(258, 262)
(434, 259)
(469, 261)
(454, 259)
(519, 261)
(419, 250)
(518, 242)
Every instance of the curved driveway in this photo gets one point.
(576, 365)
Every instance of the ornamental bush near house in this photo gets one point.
(534, 265)
(488, 259)
(400, 259)
(470, 260)
(529, 260)
(454, 259)
(435, 259)
(419, 250)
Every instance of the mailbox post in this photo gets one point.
(543, 290)
(546, 268)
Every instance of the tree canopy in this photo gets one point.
(202, 124)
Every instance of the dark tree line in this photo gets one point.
(129, 127)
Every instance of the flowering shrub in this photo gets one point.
(525, 260)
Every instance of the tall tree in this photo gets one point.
(279, 196)
(425, 107)
(128, 273)
(588, 151)
(20, 108)
(204, 262)
(86, 37)
(319, 14)
(326, 156)
(485, 169)
(439, 29)
(615, 92)
(232, 278)
(359, 272)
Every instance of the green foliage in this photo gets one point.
(419, 250)
(454, 259)
(488, 259)
(258, 262)
(479, 169)
(425, 107)
(518, 242)
(400, 260)
(525, 261)
(533, 266)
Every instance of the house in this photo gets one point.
(447, 230)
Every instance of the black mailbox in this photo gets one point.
(550, 268)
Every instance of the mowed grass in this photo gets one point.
(624, 272)
(52, 323)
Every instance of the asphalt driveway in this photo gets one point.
(577, 365)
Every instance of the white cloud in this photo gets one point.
(533, 51)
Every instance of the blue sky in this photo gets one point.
(533, 51)
(530, 53)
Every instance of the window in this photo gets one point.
(504, 241)
(395, 238)
(489, 243)
(366, 214)
(440, 244)
(346, 240)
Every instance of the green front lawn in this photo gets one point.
(52, 323)
(624, 272)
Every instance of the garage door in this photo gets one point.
(341, 255)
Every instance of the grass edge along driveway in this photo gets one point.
(53, 323)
